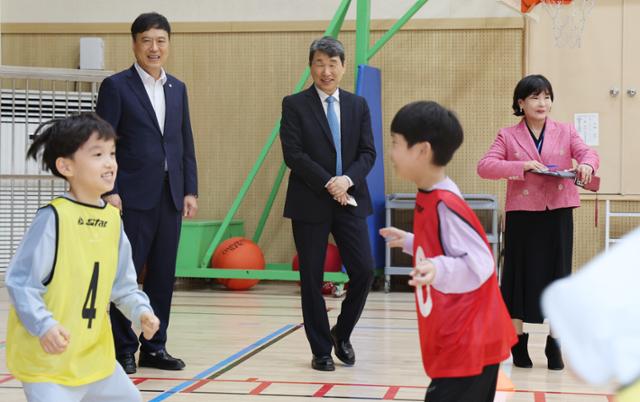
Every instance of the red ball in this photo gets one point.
(332, 260)
(332, 263)
(328, 288)
(238, 253)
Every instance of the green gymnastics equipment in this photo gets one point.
(199, 239)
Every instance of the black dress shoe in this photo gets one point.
(323, 363)
(160, 359)
(343, 349)
(128, 362)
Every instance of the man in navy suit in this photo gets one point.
(327, 143)
(157, 179)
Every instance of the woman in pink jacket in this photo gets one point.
(539, 216)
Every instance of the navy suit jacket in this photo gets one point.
(142, 148)
(308, 150)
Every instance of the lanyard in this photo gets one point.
(540, 140)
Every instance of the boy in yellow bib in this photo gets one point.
(74, 259)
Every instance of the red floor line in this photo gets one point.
(391, 393)
(323, 391)
(539, 397)
(257, 390)
(137, 381)
(254, 379)
(198, 384)
(563, 393)
(344, 384)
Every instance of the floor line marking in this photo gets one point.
(241, 360)
(323, 391)
(169, 393)
(391, 393)
(255, 351)
(257, 390)
(341, 384)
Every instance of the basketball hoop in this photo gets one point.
(568, 18)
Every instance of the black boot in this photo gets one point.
(554, 356)
(520, 353)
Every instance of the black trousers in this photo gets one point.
(154, 236)
(538, 249)
(352, 238)
(479, 388)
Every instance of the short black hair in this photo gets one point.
(327, 45)
(427, 121)
(63, 137)
(530, 85)
(148, 21)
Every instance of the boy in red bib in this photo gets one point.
(465, 329)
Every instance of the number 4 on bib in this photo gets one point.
(89, 307)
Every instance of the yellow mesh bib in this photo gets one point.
(78, 295)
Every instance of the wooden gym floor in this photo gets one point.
(250, 346)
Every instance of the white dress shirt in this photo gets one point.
(323, 99)
(155, 91)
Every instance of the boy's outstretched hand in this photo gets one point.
(393, 236)
(55, 340)
(150, 324)
(424, 272)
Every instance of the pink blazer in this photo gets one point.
(528, 191)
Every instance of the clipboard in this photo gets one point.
(562, 174)
(593, 185)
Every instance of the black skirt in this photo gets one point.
(537, 250)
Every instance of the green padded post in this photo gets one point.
(363, 19)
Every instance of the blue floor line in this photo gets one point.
(167, 394)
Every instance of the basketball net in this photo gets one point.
(568, 20)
